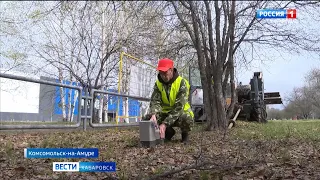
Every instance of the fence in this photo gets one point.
(82, 117)
(136, 80)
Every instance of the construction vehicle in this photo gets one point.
(251, 101)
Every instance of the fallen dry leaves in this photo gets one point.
(226, 158)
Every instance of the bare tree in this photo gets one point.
(67, 44)
(219, 32)
(160, 35)
(313, 87)
(156, 37)
(12, 58)
(68, 41)
(213, 57)
(14, 27)
(300, 102)
(90, 51)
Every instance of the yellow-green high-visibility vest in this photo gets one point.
(168, 104)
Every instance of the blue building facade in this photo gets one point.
(134, 105)
(57, 98)
(50, 108)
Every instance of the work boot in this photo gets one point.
(170, 132)
(185, 137)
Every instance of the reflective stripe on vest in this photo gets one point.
(167, 104)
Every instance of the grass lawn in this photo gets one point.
(279, 129)
(275, 150)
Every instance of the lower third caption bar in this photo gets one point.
(84, 166)
(61, 152)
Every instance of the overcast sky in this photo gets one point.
(283, 70)
(283, 75)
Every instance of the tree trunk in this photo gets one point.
(62, 97)
(125, 106)
(103, 101)
(69, 100)
(105, 109)
(100, 107)
(75, 98)
(61, 58)
(212, 121)
(231, 59)
(212, 65)
(203, 67)
(220, 104)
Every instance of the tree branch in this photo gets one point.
(184, 22)
(211, 166)
(210, 32)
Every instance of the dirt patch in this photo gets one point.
(210, 155)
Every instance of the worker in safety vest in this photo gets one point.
(169, 106)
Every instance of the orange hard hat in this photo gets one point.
(165, 64)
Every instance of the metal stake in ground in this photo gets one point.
(232, 123)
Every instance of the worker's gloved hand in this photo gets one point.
(154, 119)
(162, 131)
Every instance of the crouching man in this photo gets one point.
(169, 106)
